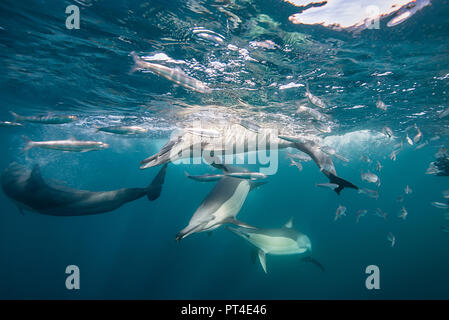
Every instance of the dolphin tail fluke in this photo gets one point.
(314, 262)
(342, 183)
(137, 62)
(29, 143)
(155, 188)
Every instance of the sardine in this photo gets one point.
(370, 177)
(296, 164)
(247, 175)
(403, 213)
(361, 213)
(439, 205)
(370, 193)
(341, 211)
(67, 145)
(313, 99)
(123, 129)
(387, 131)
(381, 214)
(205, 177)
(299, 156)
(392, 239)
(378, 166)
(408, 190)
(173, 74)
(10, 124)
(48, 119)
(381, 105)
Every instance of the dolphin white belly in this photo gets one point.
(231, 207)
(276, 245)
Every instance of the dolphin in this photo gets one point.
(236, 139)
(222, 204)
(279, 241)
(30, 192)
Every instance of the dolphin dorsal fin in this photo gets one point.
(35, 175)
(289, 223)
(263, 262)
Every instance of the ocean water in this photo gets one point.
(257, 64)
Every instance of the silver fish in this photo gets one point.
(378, 166)
(409, 141)
(123, 129)
(209, 36)
(381, 214)
(173, 74)
(444, 113)
(312, 112)
(422, 145)
(327, 185)
(299, 156)
(432, 169)
(341, 211)
(394, 153)
(205, 177)
(67, 145)
(365, 158)
(370, 193)
(418, 136)
(361, 213)
(445, 194)
(48, 119)
(403, 213)
(381, 105)
(247, 175)
(439, 205)
(442, 152)
(10, 124)
(296, 164)
(392, 239)
(370, 177)
(408, 190)
(250, 125)
(387, 131)
(313, 99)
(435, 138)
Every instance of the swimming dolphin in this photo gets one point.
(30, 192)
(280, 241)
(236, 139)
(222, 204)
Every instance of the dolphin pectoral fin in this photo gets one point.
(256, 184)
(262, 259)
(239, 223)
(253, 255)
(155, 188)
(314, 262)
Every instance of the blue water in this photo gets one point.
(131, 252)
